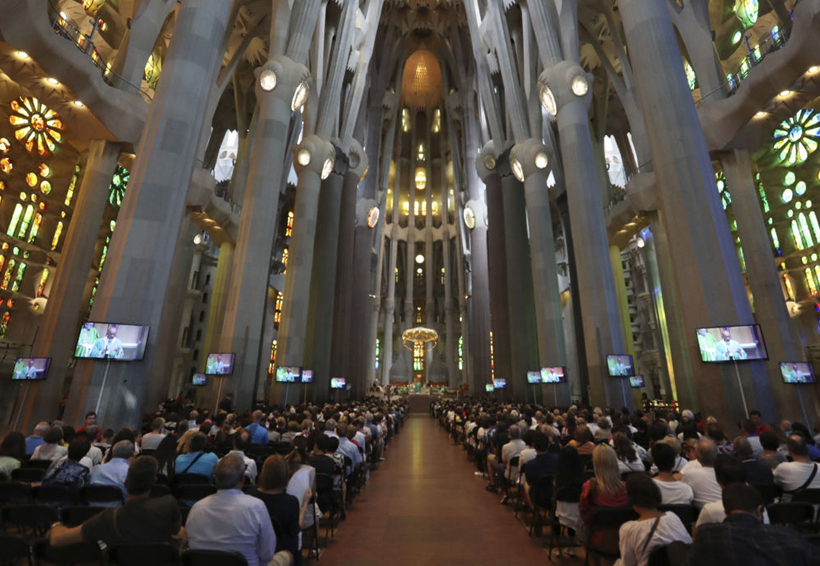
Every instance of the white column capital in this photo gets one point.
(282, 77)
(527, 158)
(563, 84)
(314, 154)
(487, 162)
(357, 158)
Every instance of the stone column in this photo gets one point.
(600, 319)
(279, 84)
(216, 317)
(492, 216)
(390, 300)
(140, 261)
(57, 333)
(782, 341)
(529, 161)
(314, 159)
(429, 259)
(323, 283)
(619, 280)
(711, 286)
(523, 336)
(449, 301)
(410, 262)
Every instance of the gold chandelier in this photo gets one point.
(419, 335)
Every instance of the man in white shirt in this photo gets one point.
(728, 470)
(153, 439)
(241, 443)
(510, 450)
(799, 474)
(702, 480)
(230, 520)
(673, 491)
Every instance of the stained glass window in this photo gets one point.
(764, 201)
(41, 288)
(18, 279)
(418, 356)
(285, 258)
(37, 126)
(815, 225)
(35, 228)
(746, 11)
(272, 364)
(277, 310)
(810, 282)
(4, 284)
(6, 165)
(741, 259)
(405, 120)
(789, 287)
(4, 323)
(786, 196)
(798, 238)
(775, 241)
(804, 229)
(492, 359)
(15, 219)
(460, 353)
(800, 188)
(289, 225)
(795, 137)
(436, 121)
(420, 156)
(5, 146)
(24, 224)
(70, 193)
(725, 197)
(789, 178)
(378, 352)
(691, 79)
(119, 182)
(55, 240)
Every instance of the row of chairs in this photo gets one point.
(60, 496)
(16, 550)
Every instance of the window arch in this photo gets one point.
(25, 222)
(810, 282)
(804, 229)
(460, 353)
(796, 236)
(15, 219)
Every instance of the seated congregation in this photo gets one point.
(190, 487)
(648, 488)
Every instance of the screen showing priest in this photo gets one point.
(219, 364)
(30, 368)
(797, 372)
(104, 341)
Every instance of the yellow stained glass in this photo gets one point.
(37, 127)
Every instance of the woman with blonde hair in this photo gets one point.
(606, 489)
(184, 444)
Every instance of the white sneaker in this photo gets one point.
(479, 474)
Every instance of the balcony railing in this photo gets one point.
(645, 168)
(67, 30)
(773, 42)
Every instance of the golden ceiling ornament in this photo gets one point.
(419, 335)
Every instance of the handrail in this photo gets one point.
(644, 168)
(773, 42)
(67, 30)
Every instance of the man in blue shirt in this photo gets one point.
(346, 447)
(230, 520)
(36, 438)
(115, 471)
(259, 434)
(197, 461)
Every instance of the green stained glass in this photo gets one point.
(796, 137)
(775, 239)
(789, 178)
(4, 284)
(24, 224)
(690, 75)
(787, 196)
(804, 229)
(119, 183)
(796, 236)
(18, 279)
(800, 188)
(15, 219)
(810, 281)
(35, 228)
(763, 199)
(815, 225)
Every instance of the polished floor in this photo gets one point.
(424, 506)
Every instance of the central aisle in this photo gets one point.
(424, 506)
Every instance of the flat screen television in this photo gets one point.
(29, 369)
(489, 388)
(797, 372)
(620, 365)
(533, 377)
(307, 376)
(731, 343)
(337, 382)
(110, 341)
(199, 379)
(500, 383)
(554, 375)
(288, 374)
(636, 381)
(219, 364)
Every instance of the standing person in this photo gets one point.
(85, 343)
(637, 539)
(728, 348)
(109, 346)
(249, 530)
(91, 421)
